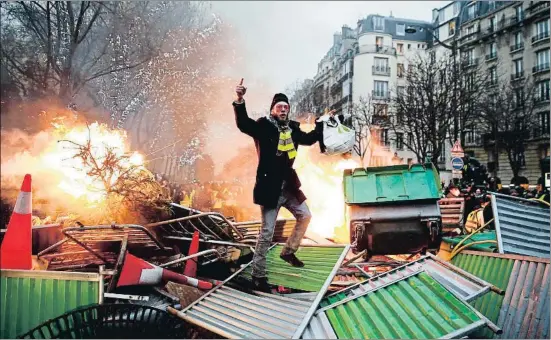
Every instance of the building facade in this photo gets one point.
(511, 41)
(369, 64)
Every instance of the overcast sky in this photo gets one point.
(284, 40)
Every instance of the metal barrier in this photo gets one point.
(120, 321)
(452, 213)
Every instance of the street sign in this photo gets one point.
(457, 163)
(457, 150)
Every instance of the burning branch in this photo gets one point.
(123, 182)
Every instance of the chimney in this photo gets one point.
(336, 38)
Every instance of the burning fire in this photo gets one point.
(75, 180)
(321, 178)
(65, 185)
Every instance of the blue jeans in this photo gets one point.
(269, 216)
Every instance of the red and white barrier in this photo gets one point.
(136, 271)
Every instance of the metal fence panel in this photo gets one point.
(523, 313)
(522, 226)
(235, 314)
(318, 263)
(413, 307)
(30, 297)
(446, 274)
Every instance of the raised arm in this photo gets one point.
(244, 123)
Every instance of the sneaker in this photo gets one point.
(292, 260)
(261, 284)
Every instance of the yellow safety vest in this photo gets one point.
(186, 202)
(474, 220)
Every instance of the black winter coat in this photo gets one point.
(269, 174)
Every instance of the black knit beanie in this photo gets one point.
(279, 97)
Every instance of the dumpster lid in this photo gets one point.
(391, 184)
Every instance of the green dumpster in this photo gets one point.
(393, 209)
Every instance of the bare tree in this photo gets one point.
(56, 48)
(424, 116)
(366, 114)
(508, 117)
(301, 96)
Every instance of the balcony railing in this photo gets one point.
(517, 47)
(379, 119)
(491, 56)
(470, 62)
(341, 101)
(542, 97)
(380, 94)
(516, 19)
(517, 76)
(378, 49)
(537, 6)
(540, 68)
(540, 36)
(380, 70)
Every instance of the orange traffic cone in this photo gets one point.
(16, 249)
(191, 265)
(136, 271)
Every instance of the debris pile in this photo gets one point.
(191, 273)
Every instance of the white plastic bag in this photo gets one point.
(338, 139)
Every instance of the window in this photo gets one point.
(451, 28)
(542, 57)
(380, 109)
(400, 90)
(399, 141)
(518, 98)
(517, 67)
(418, 46)
(471, 11)
(519, 12)
(493, 75)
(544, 123)
(378, 23)
(381, 63)
(380, 88)
(379, 41)
(492, 49)
(470, 29)
(456, 8)
(469, 56)
(492, 24)
(542, 27)
(410, 139)
(400, 47)
(470, 138)
(442, 15)
(491, 5)
(384, 137)
(409, 46)
(400, 69)
(542, 90)
(517, 39)
(400, 29)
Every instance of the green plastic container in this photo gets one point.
(393, 209)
